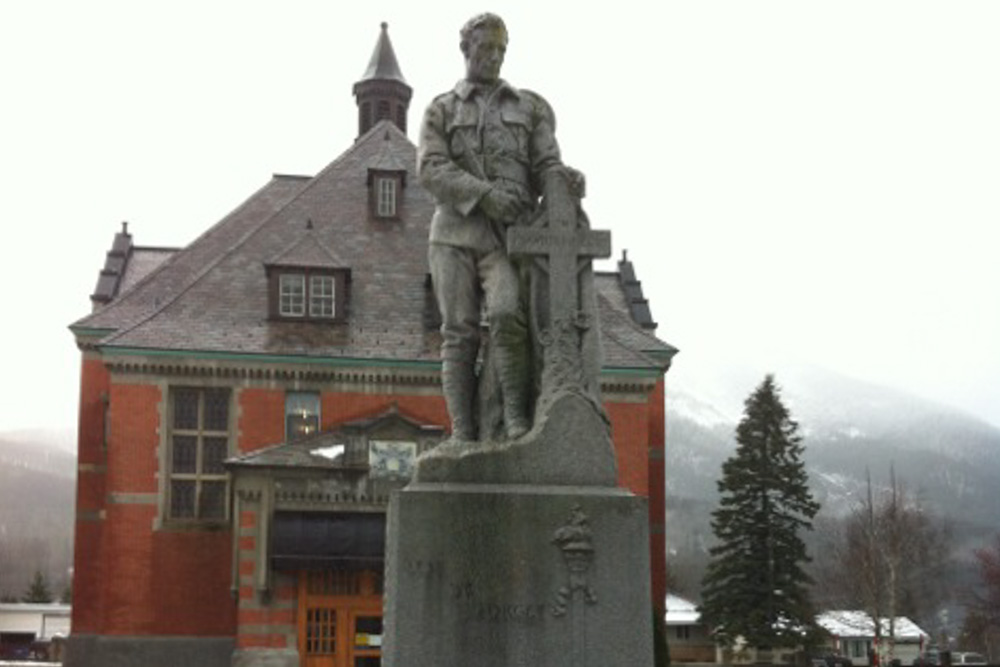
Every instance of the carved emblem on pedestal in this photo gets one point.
(575, 540)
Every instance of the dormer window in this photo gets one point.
(308, 294)
(385, 190)
(307, 281)
(386, 180)
(386, 207)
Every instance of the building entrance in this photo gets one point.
(340, 618)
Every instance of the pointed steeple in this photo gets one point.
(382, 93)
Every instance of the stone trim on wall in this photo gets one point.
(629, 385)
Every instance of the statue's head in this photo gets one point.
(484, 43)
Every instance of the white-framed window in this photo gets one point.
(386, 197)
(292, 294)
(322, 301)
(301, 414)
(198, 485)
(307, 294)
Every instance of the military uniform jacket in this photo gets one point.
(472, 141)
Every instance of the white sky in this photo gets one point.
(799, 178)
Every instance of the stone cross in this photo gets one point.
(569, 249)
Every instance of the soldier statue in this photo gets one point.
(487, 150)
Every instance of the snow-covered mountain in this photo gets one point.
(949, 460)
(37, 488)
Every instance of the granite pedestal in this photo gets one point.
(489, 575)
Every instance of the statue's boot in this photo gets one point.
(458, 382)
(512, 370)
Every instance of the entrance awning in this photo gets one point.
(325, 541)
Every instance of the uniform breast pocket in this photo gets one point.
(461, 129)
(461, 139)
(519, 129)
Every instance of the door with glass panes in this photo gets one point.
(340, 618)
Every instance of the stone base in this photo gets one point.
(266, 657)
(107, 651)
(570, 445)
(512, 576)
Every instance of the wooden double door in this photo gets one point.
(340, 618)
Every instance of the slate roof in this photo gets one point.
(125, 265)
(212, 297)
(142, 262)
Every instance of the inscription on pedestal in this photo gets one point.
(475, 608)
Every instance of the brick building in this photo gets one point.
(248, 402)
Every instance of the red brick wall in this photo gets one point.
(130, 608)
(629, 424)
(88, 571)
(261, 418)
(165, 583)
(133, 438)
(94, 384)
(154, 582)
(192, 589)
(639, 437)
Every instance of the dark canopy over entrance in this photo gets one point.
(325, 541)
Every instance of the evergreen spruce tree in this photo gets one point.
(755, 586)
(38, 591)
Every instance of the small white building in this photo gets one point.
(688, 637)
(852, 634)
(23, 624)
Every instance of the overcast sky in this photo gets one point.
(816, 180)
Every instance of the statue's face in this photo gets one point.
(484, 54)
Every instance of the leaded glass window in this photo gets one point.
(199, 446)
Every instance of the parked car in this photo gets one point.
(929, 658)
(967, 658)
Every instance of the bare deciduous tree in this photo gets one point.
(886, 559)
(982, 626)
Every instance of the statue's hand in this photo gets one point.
(577, 182)
(501, 206)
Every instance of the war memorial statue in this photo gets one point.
(513, 546)
(510, 239)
